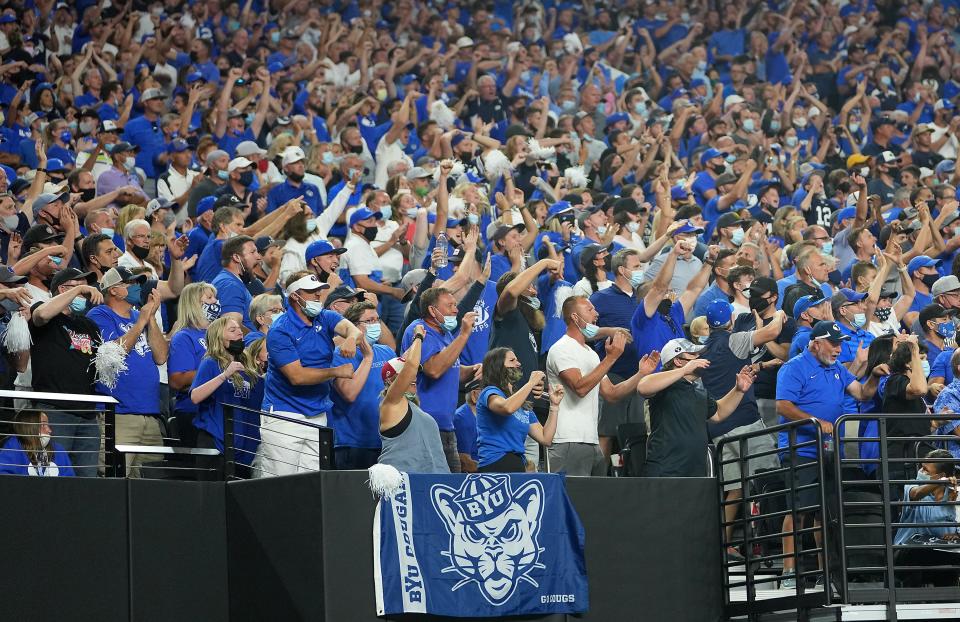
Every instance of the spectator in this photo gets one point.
(30, 450)
(903, 394)
(465, 426)
(265, 309)
(939, 470)
(937, 327)
(948, 401)
(807, 311)
(198, 307)
(238, 257)
(294, 187)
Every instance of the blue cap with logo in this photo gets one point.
(826, 329)
(921, 261)
(719, 313)
(804, 303)
(363, 214)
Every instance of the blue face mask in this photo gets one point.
(827, 248)
(449, 323)
(224, 175)
(275, 36)
(387, 212)
(133, 294)
(66, 136)
(748, 125)
(946, 329)
(311, 225)
(589, 330)
(107, 231)
(636, 278)
(859, 320)
(926, 367)
(702, 338)
(373, 333)
(56, 260)
(78, 304)
(568, 105)
(328, 157)
(274, 318)
(640, 108)
(473, 219)
(737, 237)
(774, 126)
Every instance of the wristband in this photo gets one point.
(418, 336)
(41, 170)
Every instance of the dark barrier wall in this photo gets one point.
(300, 548)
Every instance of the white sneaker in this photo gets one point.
(788, 583)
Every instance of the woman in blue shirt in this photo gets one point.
(504, 415)
(198, 307)
(230, 374)
(29, 451)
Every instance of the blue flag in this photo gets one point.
(479, 545)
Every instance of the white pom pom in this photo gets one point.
(540, 153)
(442, 115)
(561, 295)
(456, 208)
(384, 480)
(17, 336)
(455, 173)
(496, 164)
(110, 362)
(572, 44)
(576, 177)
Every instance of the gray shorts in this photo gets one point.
(627, 410)
(581, 459)
(731, 451)
(768, 411)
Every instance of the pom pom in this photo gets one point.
(16, 338)
(442, 115)
(576, 177)
(455, 173)
(561, 295)
(540, 153)
(572, 44)
(496, 164)
(110, 362)
(456, 208)
(384, 480)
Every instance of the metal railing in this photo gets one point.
(875, 570)
(306, 446)
(758, 505)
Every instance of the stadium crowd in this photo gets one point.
(457, 232)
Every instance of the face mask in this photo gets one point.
(133, 294)
(78, 304)
(274, 318)
(66, 136)
(130, 162)
(312, 308)
(636, 278)
(473, 219)
(730, 159)
(412, 212)
(246, 178)
(853, 127)
(759, 304)
(602, 229)
(859, 320)
(311, 225)
(387, 212)
(946, 329)
(865, 171)
(56, 260)
(925, 364)
(886, 80)
(737, 237)
(774, 126)
(640, 108)
(702, 339)
(748, 125)
(719, 169)
(235, 347)
(800, 122)
(929, 279)
(792, 141)
(421, 191)
(532, 301)
(882, 314)
(275, 36)
(514, 374)
(665, 306)
(224, 175)
(139, 252)
(44, 440)
(373, 332)
(382, 94)
(590, 330)
(568, 105)
(923, 475)
(370, 234)
(11, 222)
(449, 323)
(827, 248)
(328, 157)
(211, 310)
(633, 227)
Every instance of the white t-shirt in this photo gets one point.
(391, 261)
(360, 257)
(577, 416)
(582, 287)
(949, 149)
(387, 154)
(890, 327)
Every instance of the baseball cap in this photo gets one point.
(730, 219)
(418, 172)
(945, 284)
(249, 148)
(856, 160)
(391, 368)
(292, 154)
(238, 162)
(464, 42)
(151, 94)
(118, 275)
(851, 295)
(7, 275)
(921, 261)
(234, 113)
(712, 153)
(760, 286)
(363, 214)
(227, 200)
(263, 243)
(830, 331)
(206, 204)
(122, 147)
(308, 283)
(686, 228)
(719, 313)
(55, 165)
(194, 76)
(46, 199)
(845, 214)
(69, 274)
(558, 208)
(732, 100)
(158, 204)
(675, 347)
(343, 292)
(726, 178)
(40, 233)
(108, 125)
(503, 230)
(946, 166)
(179, 145)
(679, 193)
(944, 104)
(322, 247)
(804, 303)
(887, 157)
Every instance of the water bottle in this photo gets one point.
(442, 245)
(828, 443)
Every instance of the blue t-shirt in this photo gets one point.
(816, 390)
(138, 388)
(555, 326)
(233, 295)
(465, 427)
(14, 461)
(479, 341)
(703, 182)
(147, 135)
(187, 349)
(229, 141)
(941, 366)
(357, 423)
(498, 435)
(652, 333)
(208, 265)
(706, 297)
(198, 238)
(290, 340)
(246, 425)
(438, 398)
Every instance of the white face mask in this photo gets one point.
(44, 440)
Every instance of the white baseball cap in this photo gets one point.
(676, 347)
(239, 162)
(293, 154)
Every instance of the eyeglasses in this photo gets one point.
(366, 322)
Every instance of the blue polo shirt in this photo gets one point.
(291, 340)
(233, 295)
(208, 264)
(229, 141)
(498, 435)
(941, 365)
(438, 397)
(801, 339)
(706, 297)
(616, 309)
(848, 349)
(357, 423)
(146, 134)
(816, 390)
(479, 341)
(920, 300)
(198, 238)
(187, 348)
(246, 425)
(652, 333)
(465, 427)
(282, 193)
(138, 388)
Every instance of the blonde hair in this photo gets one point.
(190, 310)
(128, 213)
(218, 352)
(280, 143)
(260, 304)
(698, 326)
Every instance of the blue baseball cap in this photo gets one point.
(8, 19)
(679, 193)
(851, 295)
(409, 78)
(686, 228)
(697, 82)
(921, 261)
(710, 154)
(194, 76)
(617, 117)
(275, 67)
(560, 207)
(845, 214)
(205, 204)
(178, 145)
(322, 247)
(828, 330)
(804, 303)
(363, 214)
(55, 164)
(559, 245)
(719, 313)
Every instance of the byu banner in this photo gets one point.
(479, 545)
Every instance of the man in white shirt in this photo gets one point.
(175, 185)
(390, 147)
(576, 445)
(361, 260)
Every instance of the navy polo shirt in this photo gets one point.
(286, 191)
(721, 377)
(291, 340)
(616, 309)
(438, 397)
(652, 333)
(233, 295)
(816, 390)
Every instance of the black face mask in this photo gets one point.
(759, 304)
(844, 187)
(719, 169)
(88, 195)
(664, 307)
(929, 279)
(882, 314)
(139, 252)
(297, 177)
(323, 275)
(246, 178)
(356, 149)
(235, 347)
(370, 233)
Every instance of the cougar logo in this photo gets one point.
(493, 533)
